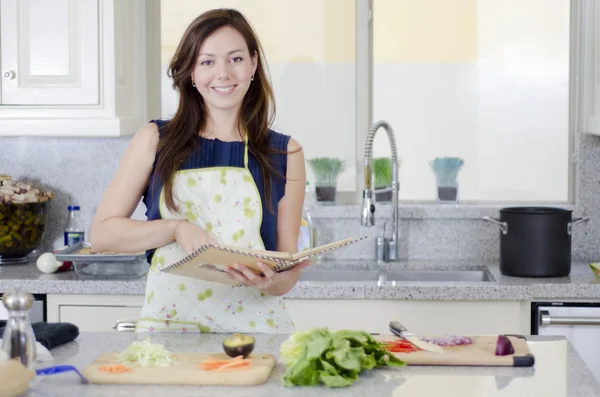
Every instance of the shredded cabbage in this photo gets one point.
(146, 354)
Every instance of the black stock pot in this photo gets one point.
(535, 241)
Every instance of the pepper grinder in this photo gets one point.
(18, 340)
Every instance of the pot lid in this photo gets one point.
(535, 210)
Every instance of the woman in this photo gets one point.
(214, 172)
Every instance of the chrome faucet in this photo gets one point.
(368, 207)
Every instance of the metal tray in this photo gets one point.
(70, 254)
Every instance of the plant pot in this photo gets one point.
(447, 193)
(383, 197)
(325, 193)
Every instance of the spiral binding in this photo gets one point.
(281, 265)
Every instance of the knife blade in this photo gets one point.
(400, 331)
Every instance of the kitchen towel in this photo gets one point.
(51, 335)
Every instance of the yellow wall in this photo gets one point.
(290, 31)
(425, 30)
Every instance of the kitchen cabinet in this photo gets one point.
(101, 312)
(93, 313)
(78, 68)
(54, 61)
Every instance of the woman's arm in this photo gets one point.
(288, 228)
(289, 217)
(112, 228)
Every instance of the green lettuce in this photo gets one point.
(334, 359)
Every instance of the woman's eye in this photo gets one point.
(236, 59)
(206, 63)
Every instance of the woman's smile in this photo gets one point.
(224, 90)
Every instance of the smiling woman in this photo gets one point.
(214, 172)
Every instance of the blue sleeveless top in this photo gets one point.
(216, 153)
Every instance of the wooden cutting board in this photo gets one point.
(185, 371)
(480, 353)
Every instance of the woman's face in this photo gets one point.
(224, 69)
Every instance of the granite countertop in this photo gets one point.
(558, 372)
(581, 284)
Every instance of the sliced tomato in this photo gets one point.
(400, 346)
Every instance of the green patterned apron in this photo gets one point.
(225, 202)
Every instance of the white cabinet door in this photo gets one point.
(97, 318)
(49, 52)
(93, 313)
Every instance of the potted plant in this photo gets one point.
(326, 171)
(446, 170)
(382, 167)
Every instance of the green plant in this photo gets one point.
(326, 170)
(383, 171)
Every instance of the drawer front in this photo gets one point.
(97, 318)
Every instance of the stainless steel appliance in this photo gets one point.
(578, 322)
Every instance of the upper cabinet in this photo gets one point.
(54, 60)
(78, 67)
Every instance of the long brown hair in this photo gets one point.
(257, 112)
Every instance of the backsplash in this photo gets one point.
(78, 170)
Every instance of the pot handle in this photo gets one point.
(503, 225)
(574, 222)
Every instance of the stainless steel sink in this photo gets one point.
(396, 276)
(440, 275)
(339, 275)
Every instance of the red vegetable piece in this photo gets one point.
(503, 346)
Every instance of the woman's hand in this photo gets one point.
(271, 283)
(190, 237)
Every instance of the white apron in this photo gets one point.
(225, 202)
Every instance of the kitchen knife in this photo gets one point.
(400, 331)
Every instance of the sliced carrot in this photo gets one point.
(115, 368)
(225, 365)
(219, 362)
(239, 364)
(232, 369)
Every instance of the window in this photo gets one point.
(483, 80)
(487, 81)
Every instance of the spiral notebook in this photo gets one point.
(209, 261)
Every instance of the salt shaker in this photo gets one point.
(18, 340)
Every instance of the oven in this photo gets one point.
(578, 322)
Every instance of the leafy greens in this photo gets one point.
(332, 358)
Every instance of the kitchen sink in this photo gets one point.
(440, 275)
(396, 276)
(339, 275)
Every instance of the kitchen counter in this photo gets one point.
(581, 284)
(558, 372)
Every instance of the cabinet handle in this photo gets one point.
(10, 74)
(547, 319)
(125, 326)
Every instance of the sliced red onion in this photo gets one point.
(503, 346)
(448, 340)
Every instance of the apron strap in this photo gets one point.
(246, 153)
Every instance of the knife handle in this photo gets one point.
(398, 329)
